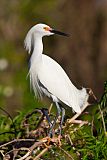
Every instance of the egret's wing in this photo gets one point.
(54, 78)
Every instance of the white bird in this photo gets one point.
(47, 76)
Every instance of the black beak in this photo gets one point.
(59, 33)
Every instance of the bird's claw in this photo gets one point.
(48, 139)
(56, 140)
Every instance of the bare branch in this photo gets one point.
(41, 153)
(16, 140)
(78, 114)
(104, 126)
(67, 153)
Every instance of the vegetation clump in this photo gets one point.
(26, 135)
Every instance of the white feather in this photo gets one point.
(51, 75)
(54, 78)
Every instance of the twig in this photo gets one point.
(36, 144)
(101, 113)
(40, 121)
(70, 139)
(16, 140)
(22, 148)
(31, 113)
(11, 120)
(41, 153)
(91, 93)
(1, 151)
(67, 153)
(78, 114)
(25, 156)
(84, 107)
(50, 108)
(104, 126)
(72, 145)
(7, 114)
(9, 132)
(29, 158)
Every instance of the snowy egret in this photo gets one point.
(47, 77)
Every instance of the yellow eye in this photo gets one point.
(46, 28)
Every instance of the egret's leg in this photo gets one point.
(58, 110)
(54, 122)
(62, 120)
(45, 113)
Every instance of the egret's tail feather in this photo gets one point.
(84, 96)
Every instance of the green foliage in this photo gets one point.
(86, 142)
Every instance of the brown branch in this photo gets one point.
(41, 153)
(50, 108)
(29, 158)
(16, 140)
(84, 107)
(33, 112)
(36, 144)
(40, 121)
(67, 153)
(25, 156)
(13, 150)
(72, 145)
(78, 114)
(25, 122)
(70, 140)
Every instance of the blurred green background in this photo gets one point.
(83, 55)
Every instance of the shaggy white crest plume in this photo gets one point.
(47, 76)
(29, 40)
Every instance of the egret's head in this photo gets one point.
(45, 30)
(39, 30)
(42, 30)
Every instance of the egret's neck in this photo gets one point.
(37, 49)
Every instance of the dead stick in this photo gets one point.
(78, 114)
(50, 108)
(67, 154)
(84, 107)
(13, 150)
(36, 144)
(41, 153)
(16, 140)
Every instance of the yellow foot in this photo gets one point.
(47, 139)
(56, 140)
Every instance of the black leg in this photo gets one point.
(62, 120)
(45, 113)
(54, 122)
(58, 109)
